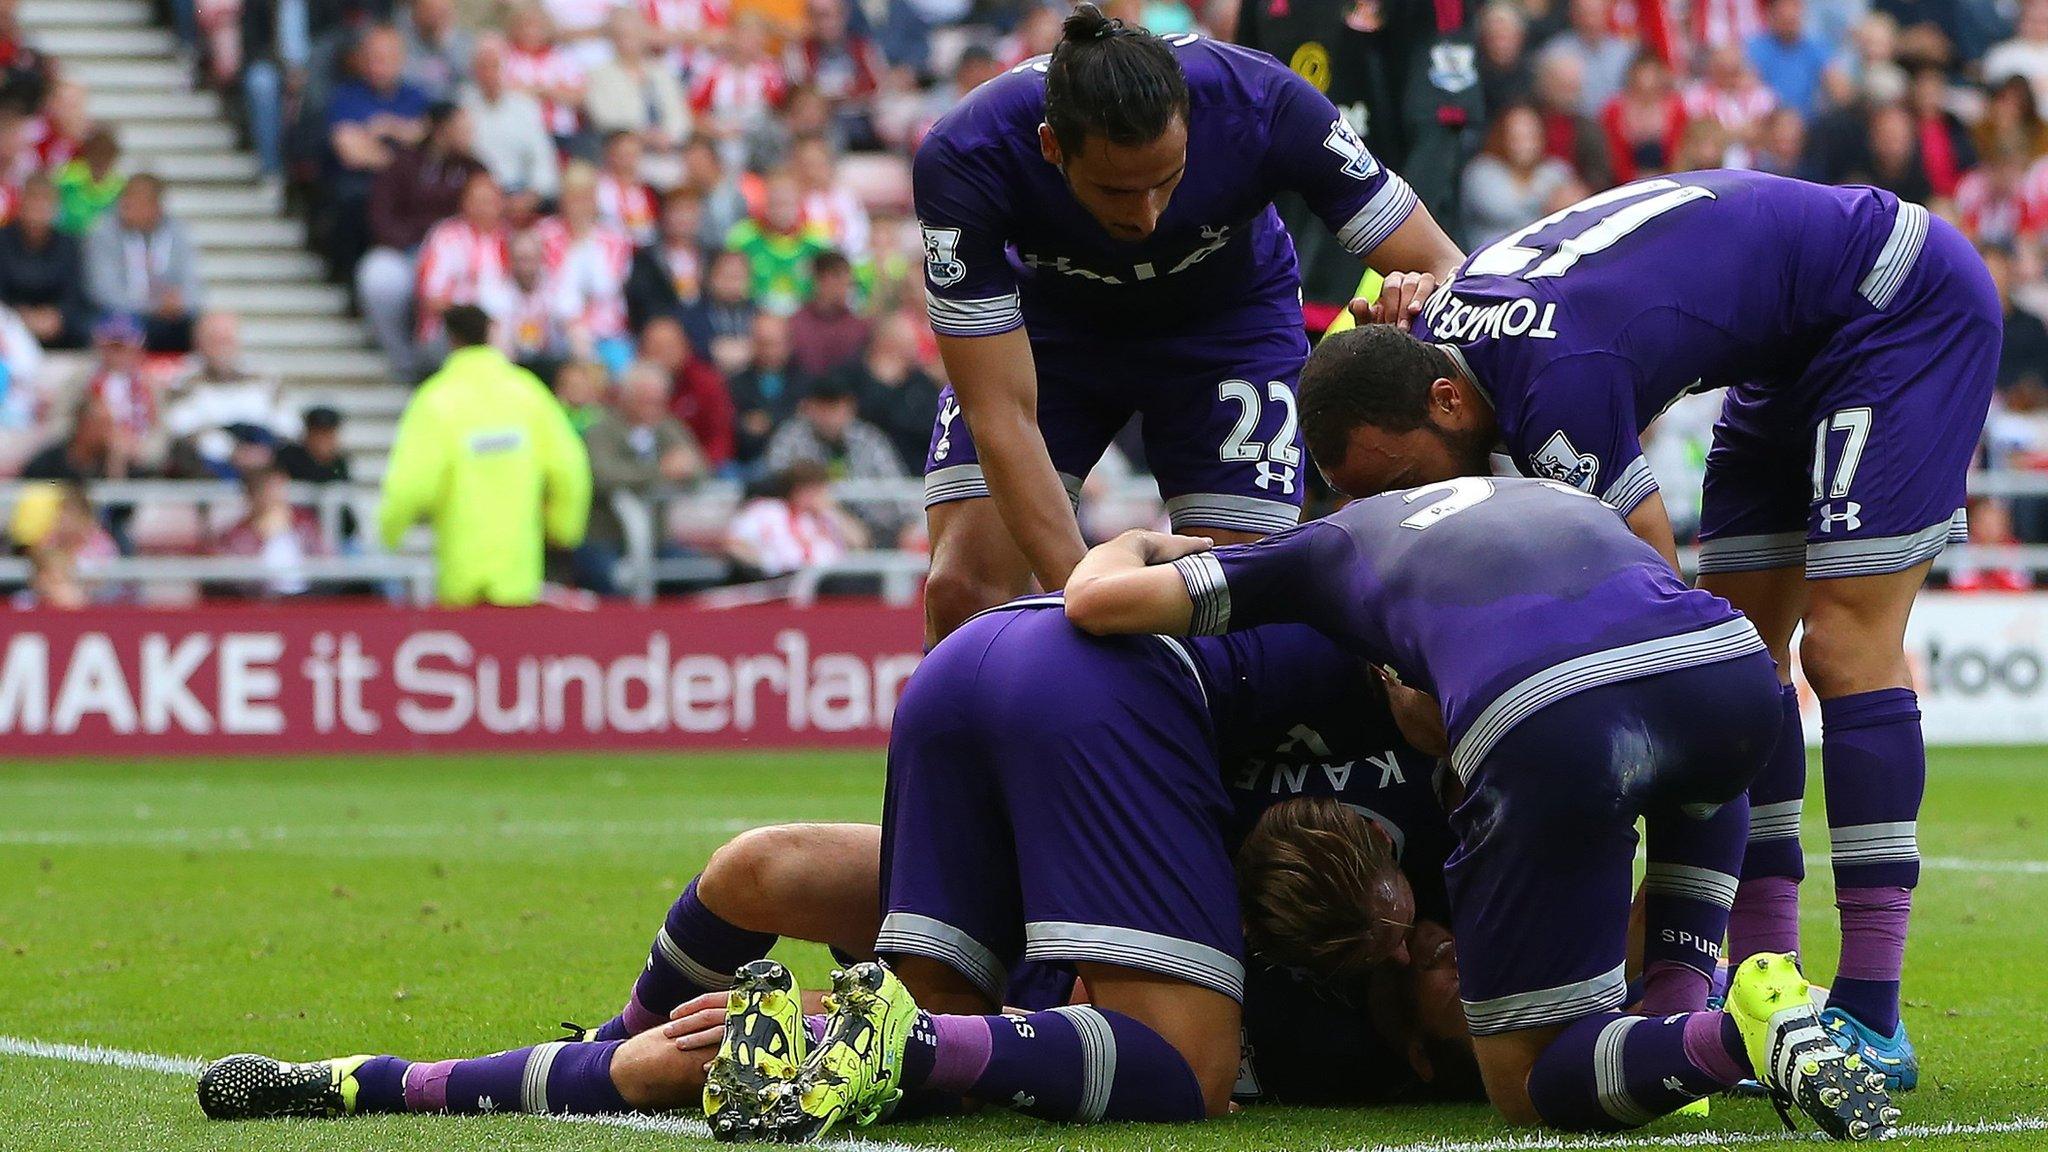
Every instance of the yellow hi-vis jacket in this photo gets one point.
(487, 455)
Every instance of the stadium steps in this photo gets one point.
(252, 254)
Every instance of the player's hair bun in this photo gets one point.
(1087, 23)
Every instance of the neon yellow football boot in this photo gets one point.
(856, 1072)
(758, 1060)
(1796, 1060)
(246, 1086)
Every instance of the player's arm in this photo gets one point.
(1374, 213)
(997, 387)
(1652, 523)
(1129, 586)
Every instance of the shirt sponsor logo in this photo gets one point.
(942, 264)
(1558, 460)
(1453, 67)
(497, 441)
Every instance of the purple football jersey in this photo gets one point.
(1005, 240)
(1496, 595)
(1583, 327)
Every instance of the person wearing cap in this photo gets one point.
(316, 458)
(487, 457)
(828, 430)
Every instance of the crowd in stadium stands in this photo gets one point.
(690, 217)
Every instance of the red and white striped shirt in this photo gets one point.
(574, 18)
(543, 71)
(1716, 23)
(529, 321)
(692, 20)
(629, 207)
(839, 214)
(130, 398)
(589, 274)
(1988, 215)
(1738, 110)
(784, 539)
(738, 91)
(459, 265)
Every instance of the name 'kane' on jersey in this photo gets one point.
(1005, 238)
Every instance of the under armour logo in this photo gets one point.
(1850, 518)
(486, 1104)
(948, 412)
(1271, 474)
(1023, 1100)
(1675, 1086)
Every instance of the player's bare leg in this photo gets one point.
(975, 564)
(817, 882)
(1205, 1027)
(1765, 917)
(1874, 768)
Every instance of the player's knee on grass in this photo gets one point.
(1505, 1061)
(653, 1075)
(751, 874)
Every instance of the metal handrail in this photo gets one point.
(417, 572)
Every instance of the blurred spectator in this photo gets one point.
(1503, 41)
(839, 64)
(725, 205)
(316, 457)
(1995, 205)
(1575, 139)
(437, 49)
(779, 247)
(2025, 55)
(93, 447)
(827, 333)
(277, 48)
(741, 85)
(21, 365)
(579, 388)
(893, 391)
(17, 160)
(1643, 123)
(828, 205)
(633, 92)
(1036, 33)
(580, 27)
(623, 199)
(764, 393)
(682, 30)
(828, 430)
(371, 116)
(2023, 358)
(1946, 151)
(1603, 56)
(537, 66)
(726, 310)
(792, 523)
(276, 536)
(1895, 156)
(24, 72)
(588, 261)
(637, 447)
(1703, 144)
(2010, 115)
(1781, 147)
(217, 405)
(529, 313)
(697, 394)
(56, 526)
(140, 262)
(1730, 94)
(56, 134)
(120, 376)
(510, 129)
(1511, 182)
(463, 261)
(668, 273)
(486, 454)
(422, 186)
(88, 185)
(1789, 61)
(42, 271)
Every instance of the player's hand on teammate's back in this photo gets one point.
(1166, 547)
(1400, 301)
(1418, 715)
(697, 1023)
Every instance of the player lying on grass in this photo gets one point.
(1292, 716)
(1583, 685)
(1858, 338)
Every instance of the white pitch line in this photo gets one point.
(691, 1127)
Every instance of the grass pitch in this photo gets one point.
(434, 907)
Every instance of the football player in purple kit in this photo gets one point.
(1582, 685)
(1858, 338)
(1312, 771)
(1100, 241)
